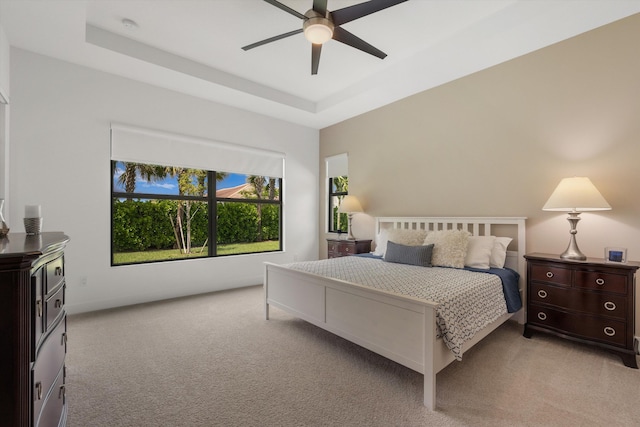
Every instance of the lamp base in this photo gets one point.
(575, 255)
(350, 235)
(572, 251)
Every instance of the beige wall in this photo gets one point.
(496, 143)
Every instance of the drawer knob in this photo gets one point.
(58, 271)
(39, 307)
(609, 331)
(549, 274)
(542, 316)
(39, 390)
(599, 281)
(58, 303)
(63, 337)
(542, 293)
(62, 392)
(609, 305)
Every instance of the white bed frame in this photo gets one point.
(400, 328)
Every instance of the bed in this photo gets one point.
(402, 326)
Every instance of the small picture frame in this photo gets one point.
(618, 255)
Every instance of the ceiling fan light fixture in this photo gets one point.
(318, 29)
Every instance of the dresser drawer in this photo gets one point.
(574, 299)
(601, 281)
(594, 328)
(38, 310)
(347, 249)
(333, 247)
(48, 364)
(53, 405)
(55, 273)
(55, 305)
(550, 274)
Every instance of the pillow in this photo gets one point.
(450, 247)
(381, 243)
(479, 252)
(412, 255)
(499, 252)
(397, 235)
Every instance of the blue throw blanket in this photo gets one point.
(510, 289)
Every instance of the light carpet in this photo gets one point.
(213, 360)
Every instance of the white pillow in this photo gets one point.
(499, 252)
(450, 247)
(397, 235)
(381, 242)
(479, 251)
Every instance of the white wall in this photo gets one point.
(60, 159)
(4, 66)
(4, 117)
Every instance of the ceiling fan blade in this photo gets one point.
(320, 6)
(316, 49)
(287, 8)
(344, 36)
(272, 39)
(348, 14)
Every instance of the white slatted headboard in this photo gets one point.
(513, 227)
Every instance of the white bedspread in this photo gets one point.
(468, 301)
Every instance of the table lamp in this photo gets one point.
(575, 195)
(350, 205)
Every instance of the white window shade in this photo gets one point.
(337, 165)
(137, 145)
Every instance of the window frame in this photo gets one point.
(330, 205)
(212, 201)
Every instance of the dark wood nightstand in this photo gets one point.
(590, 301)
(337, 248)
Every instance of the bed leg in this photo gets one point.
(429, 358)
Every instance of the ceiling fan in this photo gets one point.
(320, 25)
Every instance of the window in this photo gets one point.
(171, 200)
(338, 186)
(162, 213)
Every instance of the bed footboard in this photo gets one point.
(398, 328)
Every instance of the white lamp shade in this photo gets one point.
(576, 194)
(350, 204)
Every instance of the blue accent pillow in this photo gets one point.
(412, 255)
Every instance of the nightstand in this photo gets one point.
(337, 248)
(590, 301)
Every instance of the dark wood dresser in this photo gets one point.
(33, 326)
(337, 248)
(590, 301)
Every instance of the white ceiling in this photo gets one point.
(194, 46)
